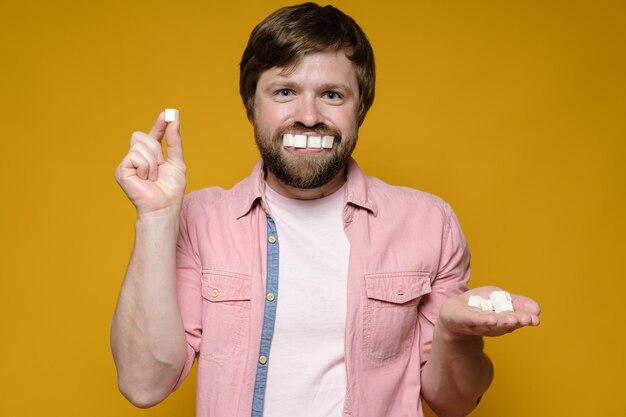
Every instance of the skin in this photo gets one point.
(147, 335)
(458, 372)
(321, 89)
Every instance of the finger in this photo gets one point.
(129, 165)
(509, 320)
(158, 128)
(174, 143)
(498, 320)
(139, 163)
(503, 326)
(528, 319)
(522, 303)
(480, 318)
(152, 144)
(484, 323)
(149, 156)
(515, 320)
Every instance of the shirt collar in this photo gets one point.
(253, 190)
(357, 189)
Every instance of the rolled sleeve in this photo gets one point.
(451, 279)
(188, 280)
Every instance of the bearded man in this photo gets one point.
(309, 288)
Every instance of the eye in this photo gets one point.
(332, 95)
(284, 92)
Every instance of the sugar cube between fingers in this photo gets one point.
(171, 115)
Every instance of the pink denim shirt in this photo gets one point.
(407, 256)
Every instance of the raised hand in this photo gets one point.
(460, 320)
(153, 183)
(147, 333)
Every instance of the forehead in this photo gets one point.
(328, 66)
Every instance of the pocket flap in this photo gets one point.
(218, 286)
(397, 287)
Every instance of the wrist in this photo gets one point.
(452, 338)
(159, 225)
(162, 215)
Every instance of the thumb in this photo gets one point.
(174, 142)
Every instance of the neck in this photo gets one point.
(306, 194)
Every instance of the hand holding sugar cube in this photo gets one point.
(152, 180)
(486, 311)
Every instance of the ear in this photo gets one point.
(250, 110)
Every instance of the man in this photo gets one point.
(308, 289)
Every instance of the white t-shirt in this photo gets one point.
(306, 375)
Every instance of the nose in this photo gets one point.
(308, 111)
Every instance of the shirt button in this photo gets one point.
(263, 360)
(271, 297)
(215, 292)
(271, 239)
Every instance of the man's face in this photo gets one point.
(317, 98)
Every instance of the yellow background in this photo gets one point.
(513, 111)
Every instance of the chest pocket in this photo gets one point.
(226, 314)
(390, 312)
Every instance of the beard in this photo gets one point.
(304, 171)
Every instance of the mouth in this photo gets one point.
(308, 142)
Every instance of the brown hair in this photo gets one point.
(291, 32)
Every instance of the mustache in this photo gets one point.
(320, 129)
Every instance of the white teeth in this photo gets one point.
(314, 142)
(299, 141)
(288, 139)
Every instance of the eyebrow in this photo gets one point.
(334, 86)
